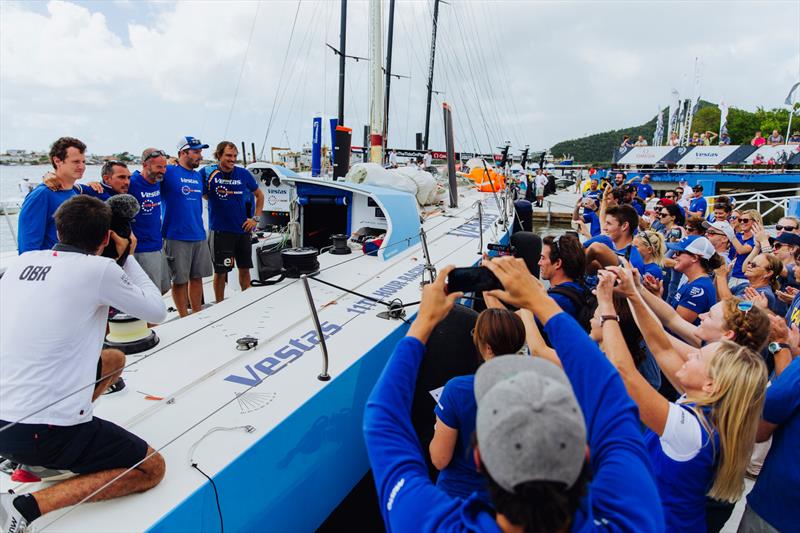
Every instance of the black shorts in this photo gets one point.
(228, 247)
(93, 446)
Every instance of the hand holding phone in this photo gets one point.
(472, 279)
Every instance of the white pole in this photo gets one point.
(376, 109)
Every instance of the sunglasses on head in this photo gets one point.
(745, 306)
(154, 154)
(785, 228)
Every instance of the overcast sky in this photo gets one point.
(124, 75)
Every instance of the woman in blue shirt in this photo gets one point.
(762, 279)
(497, 332)
(652, 248)
(701, 444)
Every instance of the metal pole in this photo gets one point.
(324, 376)
(389, 39)
(342, 52)
(429, 268)
(244, 155)
(430, 75)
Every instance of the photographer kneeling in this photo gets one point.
(54, 308)
(560, 450)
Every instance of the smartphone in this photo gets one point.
(472, 279)
(501, 248)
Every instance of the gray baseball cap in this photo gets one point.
(529, 424)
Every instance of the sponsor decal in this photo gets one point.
(148, 205)
(472, 228)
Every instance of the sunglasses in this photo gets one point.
(745, 219)
(154, 154)
(785, 228)
(662, 215)
(732, 217)
(745, 306)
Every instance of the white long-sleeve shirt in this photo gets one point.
(53, 313)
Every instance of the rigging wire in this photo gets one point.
(241, 70)
(280, 78)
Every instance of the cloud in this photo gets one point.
(123, 76)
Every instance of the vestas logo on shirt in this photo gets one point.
(148, 205)
(284, 355)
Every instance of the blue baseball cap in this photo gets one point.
(694, 244)
(190, 143)
(792, 239)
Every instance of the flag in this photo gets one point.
(723, 118)
(673, 109)
(789, 96)
(659, 128)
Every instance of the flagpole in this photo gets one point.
(789, 128)
(790, 102)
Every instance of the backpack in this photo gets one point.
(584, 301)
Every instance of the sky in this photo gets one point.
(127, 74)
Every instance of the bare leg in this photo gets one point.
(71, 491)
(244, 278)
(180, 295)
(196, 294)
(219, 286)
(112, 363)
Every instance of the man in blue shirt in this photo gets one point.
(644, 190)
(540, 430)
(183, 230)
(563, 264)
(605, 250)
(37, 229)
(698, 205)
(229, 190)
(116, 180)
(145, 186)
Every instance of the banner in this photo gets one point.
(707, 155)
(672, 121)
(771, 155)
(643, 155)
(659, 128)
(316, 147)
(789, 97)
(723, 117)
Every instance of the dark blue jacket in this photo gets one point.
(622, 495)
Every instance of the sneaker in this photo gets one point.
(117, 386)
(11, 521)
(35, 474)
(7, 466)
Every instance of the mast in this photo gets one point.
(376, 109)
(430, 75)
(342, 57)
(389, 39)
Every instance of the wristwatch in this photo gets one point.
(603, 318)
(775, 347)
(257, 218)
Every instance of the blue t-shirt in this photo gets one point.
(775, 305)
(564, 302)
(182, 201)
(644, 191)
(594, 195)
(776, 495)
(635, 257)
(37, 228)
(654, 270)
(591, 218)
(457, 409)
(638, 207)
(737, 270)
(697, 295)
(698, 205)
(793, 314)
(147, 224)
(229, 198)
(107, 193)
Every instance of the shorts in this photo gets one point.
(187, 260)
(227, 247)
(93, 446)
(155, 266)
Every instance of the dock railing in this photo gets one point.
(779, 200)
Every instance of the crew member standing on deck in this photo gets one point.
(145, 186)
(185, 236)
(54, 310)
(225, 186)
(37, 229)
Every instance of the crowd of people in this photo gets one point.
(707, 138)
(637, 391)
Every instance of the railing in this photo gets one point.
(10, 208)
(760, 197)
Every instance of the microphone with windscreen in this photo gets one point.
(124, 208)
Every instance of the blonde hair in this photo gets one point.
(775, 266)
(755, 215)
(740, 383)
(654, 241)
(750, 329)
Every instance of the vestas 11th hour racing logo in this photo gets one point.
(280, 359)
(186, 190)
(149, 205)
(221, 191)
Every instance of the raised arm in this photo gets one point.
(653, 408)
(670, 318)
(668, 359)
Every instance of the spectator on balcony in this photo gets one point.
(775, 139)
(640, 141)
(758, 141)
(626, 142)
(724, 139)
(794, 138)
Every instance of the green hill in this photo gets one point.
(599, 147)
